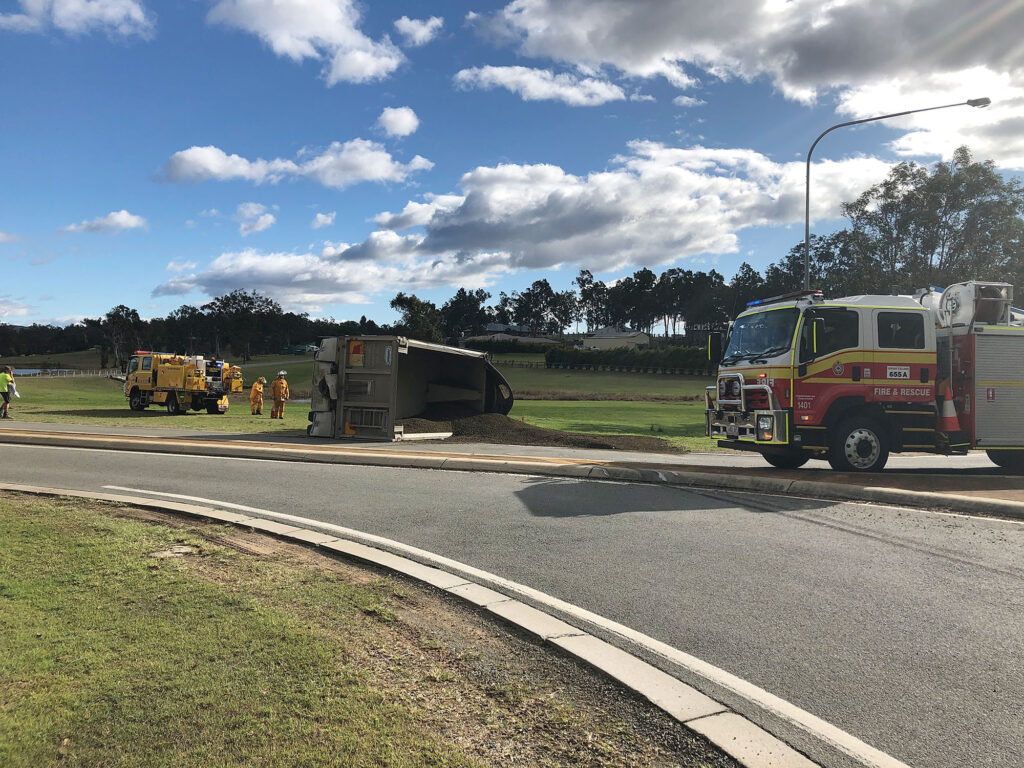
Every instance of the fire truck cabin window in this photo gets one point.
(840, 329)
(133, 365)
(147, 363)
(901, 330)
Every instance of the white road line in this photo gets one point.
(813, 725)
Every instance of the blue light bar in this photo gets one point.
(785, 296)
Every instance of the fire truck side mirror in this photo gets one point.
(715, 346)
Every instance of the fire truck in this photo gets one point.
(854, 379)
(180, 383)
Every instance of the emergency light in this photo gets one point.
(815, 295)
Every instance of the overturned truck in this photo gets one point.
(364, 385)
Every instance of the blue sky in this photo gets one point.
(331, 153)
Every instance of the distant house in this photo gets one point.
(616, 338)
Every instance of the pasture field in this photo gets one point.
(591, 402)
(101, 402)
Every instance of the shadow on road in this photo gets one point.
(546, 497)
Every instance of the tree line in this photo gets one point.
(958, 220)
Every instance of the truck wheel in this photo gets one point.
(858, 444)
(212, 407)
(135, 400)
(786, 459)
(173, 408)
(1011, 460)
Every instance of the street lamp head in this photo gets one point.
(983, 102)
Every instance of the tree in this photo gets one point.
(121, 327)
(746, 285)
(533, 307)
(593, 300)
(464, 313)
(420, 319)
(243, 317)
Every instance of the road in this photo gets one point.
(904, 628)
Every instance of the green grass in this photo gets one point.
(101, 402)
(682, 424)
(556, 380)
(112, 658)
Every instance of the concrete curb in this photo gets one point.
(734, 731)
(971, 505)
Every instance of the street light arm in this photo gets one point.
(982, 102)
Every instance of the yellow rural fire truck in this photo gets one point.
(180, 383)
(852, 379)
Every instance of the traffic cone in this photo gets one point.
(948, 422)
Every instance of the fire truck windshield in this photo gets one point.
(761, 335)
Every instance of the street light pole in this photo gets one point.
(983, 102)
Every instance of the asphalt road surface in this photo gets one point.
(904, 628)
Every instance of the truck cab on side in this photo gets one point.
(180, 383)
(853, 379)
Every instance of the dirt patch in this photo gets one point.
(495, 428)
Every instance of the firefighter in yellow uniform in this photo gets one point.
(280, 390)
(256, 397)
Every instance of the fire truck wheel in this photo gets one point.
(135, 401)
(173, 408)
(212, 407)
(1011, 460)
(858, 444)
(786, 459)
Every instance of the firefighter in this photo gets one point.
(256, 397)
(280, 390)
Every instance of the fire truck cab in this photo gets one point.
(852, 379)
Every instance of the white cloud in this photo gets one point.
(210, 212)
(76, 17)
(181, 266)
(398, 121)
(115, 221)
(688, 101)
(418, 32)
(323, 219)
(655, 205)
(996, 131)
(807, 49)
(541, 85)
(11, 308)
(638, 96)
(307, 282)
(323, 30)
(339, 166)
(253, 217)
(8, 237)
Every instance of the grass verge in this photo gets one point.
(681, 423)
(249, 651)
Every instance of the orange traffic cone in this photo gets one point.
(948, 422)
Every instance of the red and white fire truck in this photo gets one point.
(853, 379)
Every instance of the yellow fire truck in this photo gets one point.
(180, 383)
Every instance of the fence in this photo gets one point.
(66, 372)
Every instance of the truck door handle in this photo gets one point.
(924, 374)
(856, 373)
